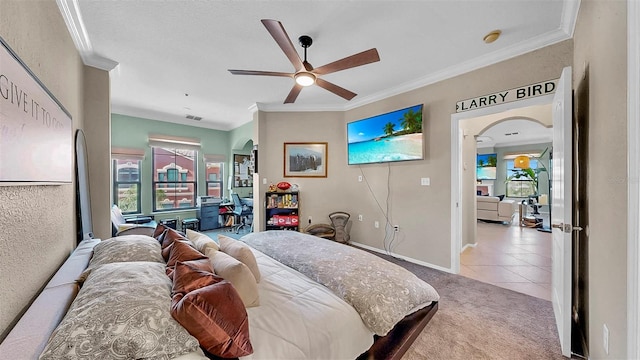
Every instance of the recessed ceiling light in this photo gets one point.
(492, 36)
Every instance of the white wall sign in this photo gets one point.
(524, 92)
(36, 132)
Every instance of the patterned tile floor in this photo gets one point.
(512, 257)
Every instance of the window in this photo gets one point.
(522, 187)
(214, 176)
(126, 185)
(174, 178)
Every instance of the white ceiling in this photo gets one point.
(162, 50)
(514, 132)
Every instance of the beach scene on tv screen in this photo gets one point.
(395, 136)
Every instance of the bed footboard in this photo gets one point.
(393, 345)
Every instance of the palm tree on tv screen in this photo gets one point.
(388, 128)
(411, 121)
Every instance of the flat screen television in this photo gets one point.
(486, 166)
(394, 136)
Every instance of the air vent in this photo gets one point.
(191, 117)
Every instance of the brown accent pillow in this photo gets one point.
(158, 231)
(169, 236)
(193, 275)
(214, 313)
(240, 251)
(238, 274)
(181, 250)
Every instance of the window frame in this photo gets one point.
(220, 181)
(117, 183)
(509, 164)
(182, 178)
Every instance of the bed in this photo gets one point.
(187, 297)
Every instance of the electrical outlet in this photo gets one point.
(360, 217)
(396, 228)
(359, 178)
(425, 181)
(605, 338)
(376, 224)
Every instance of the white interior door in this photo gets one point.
(561, 213)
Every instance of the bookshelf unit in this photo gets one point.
(282, 210)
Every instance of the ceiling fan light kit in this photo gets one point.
(305, 74)
(304, 78)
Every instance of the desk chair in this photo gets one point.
(241, 212)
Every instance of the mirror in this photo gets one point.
(83, 202)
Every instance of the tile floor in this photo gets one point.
(512, 257)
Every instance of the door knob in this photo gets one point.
(566, 227)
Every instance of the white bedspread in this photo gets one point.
(300, 319)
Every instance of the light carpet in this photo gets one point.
(476, 320)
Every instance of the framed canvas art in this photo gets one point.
(305, 159)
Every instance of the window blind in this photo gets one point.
(174, 142)
(120, 153)
(211, 158)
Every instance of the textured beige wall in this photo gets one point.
(600, 43)
(38, 222)
(423, 212)
(318, 197)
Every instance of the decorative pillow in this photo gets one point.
(238, 274)
(123, 249)
(159, 230)
(240, 251)
(214, 313)
(193, 275)
(123, 311)
(181, 250)
(169, 236)
(201, 241)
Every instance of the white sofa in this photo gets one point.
(491, 208)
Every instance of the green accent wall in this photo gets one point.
(133, 132)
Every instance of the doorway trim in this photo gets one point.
(633, 179)
(456, 166)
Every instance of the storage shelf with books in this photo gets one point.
(282, 210)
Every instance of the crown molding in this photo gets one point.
(73, 19)
(570, 10)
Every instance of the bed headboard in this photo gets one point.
(29, 336)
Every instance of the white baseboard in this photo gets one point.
(398, 256)
(468, 245)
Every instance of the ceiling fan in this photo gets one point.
(305, 74)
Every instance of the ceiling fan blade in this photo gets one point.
(258, 72)
(278, 33)
(363, 58)
(342, 92)
(293, 94)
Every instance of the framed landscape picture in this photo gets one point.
(305, 159)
